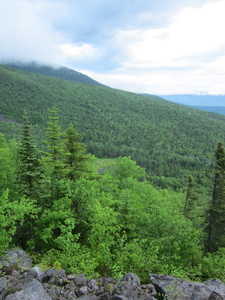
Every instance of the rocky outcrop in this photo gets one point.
(217, 286)
(16, 259)
(169, 287)
(32, 290)
(19, 281)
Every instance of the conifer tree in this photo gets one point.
(191, 198)
(216, 228)
(54, 143)
(54, 158)
(29, 174)
(76, 159)
(30, 182)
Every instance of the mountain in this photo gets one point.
(215, 109)
(170, 140)
(54, 71)
(197, 100)
(210, 103)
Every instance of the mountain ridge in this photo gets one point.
(53, 70)
(215, 109)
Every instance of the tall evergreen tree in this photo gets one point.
(30, 182)
(76, 159)
(216, 227)
(29, 174)
(54, 143)
(54, 157)
(191, 199)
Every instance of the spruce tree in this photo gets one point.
(76, 159)
(30, 183)
(191, 199)
(216, 214)
(55, 151)
(54, 157)
(29, 174)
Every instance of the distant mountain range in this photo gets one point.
(211, 103)
(215, 109)
(197, 100)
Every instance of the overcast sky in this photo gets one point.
(146, 46)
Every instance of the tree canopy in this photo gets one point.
(104, 223)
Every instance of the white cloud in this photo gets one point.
(186, 57)
(127, 47)
(26, 33)
(195, 34)
(81, 51)
(29, 30)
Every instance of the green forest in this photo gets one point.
(169, 140)
(157, 207)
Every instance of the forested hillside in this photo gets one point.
(57, 205)
(171, 141)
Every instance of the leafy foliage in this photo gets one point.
(12, 214)
(112, 221)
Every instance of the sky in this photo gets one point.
(159, 47)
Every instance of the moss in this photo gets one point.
(109, 288)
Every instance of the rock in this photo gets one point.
(175, 288)
(53, 276)
(83, 290)
(148, 291)
(100, 291)
(88, 297)
(54, 292)
(105, 296)
(16, 259)
(217, 286)
(200, 291)
(93, 285)
(127, 290)
(71, 277)
(215, 296)
(109, 288)
(3, 284)
(132, 279)
(61, 293)
(31, 291)
(119, 297)
(105, 281)
(35, 273)
(70, 296)
(56, 283)
(80, 280)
